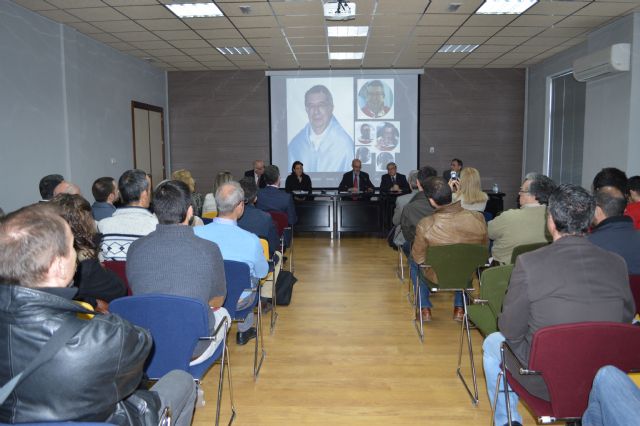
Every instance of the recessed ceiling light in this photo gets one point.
(505, 7)
(235, 50)
(197, 10)
(347, 31)
(343, 56)
(458, 48)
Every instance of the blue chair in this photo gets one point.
(238, 277)
(176, 324)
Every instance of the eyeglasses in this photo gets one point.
(523, 191)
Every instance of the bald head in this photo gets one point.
(65, 187)
(356, 165)
(610, 202)
(258, 167)
(230, 200)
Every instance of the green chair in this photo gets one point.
(518, 250)
(484, 310)
(454, 265)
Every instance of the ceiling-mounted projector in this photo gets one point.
(339, 11)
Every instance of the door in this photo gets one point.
(148, 140)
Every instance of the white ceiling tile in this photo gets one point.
(467, 40)
(163, 24)
(535, 21)
(390, 31)
(97, 14)
(221, 33)
(178, 35)
(146, 12)
(137, 36)
(305, 32)
(489, 20)
(555, 7)
(254, 21)
(257, 9)
(449, 56)
(35, 4)
(489, 48)
(544, 41)
(466, 31)
(208, 23)
(529, 48)
(582, 21)
(519, 31)
(434, 31)
(431, 40)
(300, 8)
(60, 16)
(508, 41)
(395, 20)
(442, 20)
(404, 6)
(130, 2)
(84, 27)
(158, 44)
(562, 32)
(301, 21)
(164, 52)
(229, 42)
(262, 33)
(301, 41)
(473, 62)
(605, 9)
(466, 6)
(486, 56)
(105, 38)
(74, 4)
(202, 51)
(189, 44)
(118, 26)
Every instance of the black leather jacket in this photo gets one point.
(87, 379)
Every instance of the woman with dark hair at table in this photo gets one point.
(297, 180)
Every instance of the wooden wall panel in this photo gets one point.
(476, 115)
(219, 120)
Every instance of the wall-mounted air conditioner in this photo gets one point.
(615, 58)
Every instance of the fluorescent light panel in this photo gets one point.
(347, 31)
(458, 48)
(505, 7)
(195, 10)
(235, 50)
(345, 56)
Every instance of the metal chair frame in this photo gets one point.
(272, 277)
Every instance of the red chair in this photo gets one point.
(120, 268)
(567, 358)
(634, 282)
(281, 220)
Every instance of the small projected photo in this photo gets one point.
(375, 99)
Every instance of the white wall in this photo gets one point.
(65, 105)
(611, 111)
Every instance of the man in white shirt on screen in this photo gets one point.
(322, 144)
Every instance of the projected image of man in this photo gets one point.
(375, 106)
(322, 144)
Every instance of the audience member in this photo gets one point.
(633, 207)
(456, 166)
(449, 224)
(197, 199)
(96, 285)
(356, 180)
(209, 199)
(48, 184)
(610, 176)
(298, 180)
(95, 378)
(468, 190)
(271, 198)
(105, 192)
(236, 244)
(172, 260)
(65, 187)
(569, 281)
(130, 222)
(612, 230)
(255, 220)
(614, 399)
(417, 208)
(393, 181)
(257, 173)
(526, 225)
(404, 199)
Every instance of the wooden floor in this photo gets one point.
(345, 352)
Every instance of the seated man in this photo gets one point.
(456, 166)
(356, 180)
(257, 173)
(614, 399)
(105, 192)
(449, 224)
(255, 220)
(94, 374)
(65, 187)
(526, 225)
(236, 244)
(613, 231)
(633, 207)
(393, 181)
(172, 260)
(571, 280)
(130, 222)
(403, 200)
(48, 184)
(417, 209)
(271, 198)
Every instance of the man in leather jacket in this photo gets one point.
(96, 374)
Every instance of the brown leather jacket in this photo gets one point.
(449, 224)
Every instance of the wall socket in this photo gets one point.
(432, 149)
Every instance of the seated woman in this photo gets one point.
(209, 205)
(197, 199)
(95, 283)
(467, 190)
(297, 180)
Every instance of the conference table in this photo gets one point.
(328, 210)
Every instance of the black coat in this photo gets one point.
(364, 183)
(292, 183)
(401, 180)
(261, 183)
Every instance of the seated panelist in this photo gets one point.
(394, 182)
(298, 180)
(356, 180)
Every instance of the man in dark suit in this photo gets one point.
(568, 281)
(456, 166)
(271, 198)
(255, 220)
(356, 180)
(393, 181)
(257, 173)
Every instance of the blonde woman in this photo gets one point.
(209, 205)
(467, 190)
(197, 198)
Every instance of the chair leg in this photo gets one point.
(400, 267)
(291, 268)
(505, 385)
(274, 303)
(258, 364)
(225, 357)
(464, 329)
(495, 399)
(417, 321)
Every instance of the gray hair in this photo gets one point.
(413, 179)
(541, 187)
(228, 196)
